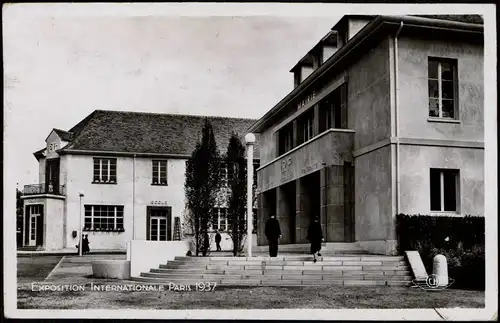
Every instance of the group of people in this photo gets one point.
(314, 235)
(85, 244)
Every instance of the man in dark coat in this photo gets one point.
(273, 233)
(315, 236)
(85, 244)
(218, 238)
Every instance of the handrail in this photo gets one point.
(36, 189)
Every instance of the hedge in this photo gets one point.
(459, 239)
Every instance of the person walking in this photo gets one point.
(218, 238)
(273, 233)
(315, 236)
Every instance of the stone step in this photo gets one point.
(295, 258)
(270, 282)
(280, 276)
(287, 262)
(305, 266)
(286, 269)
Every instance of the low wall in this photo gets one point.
(380, 247)
(119, 269)
(144, 255)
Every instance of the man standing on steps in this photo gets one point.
(218, 238)
(315, 236)
(273, 233)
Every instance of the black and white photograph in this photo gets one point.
(250, 161)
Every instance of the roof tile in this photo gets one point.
(141, 132)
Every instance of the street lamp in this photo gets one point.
(250, 140)
(80, 247)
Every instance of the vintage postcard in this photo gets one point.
(279, 161)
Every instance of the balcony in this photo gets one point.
(332, 147)
(40, 189)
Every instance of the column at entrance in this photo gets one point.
(282, 214)
(302, 218)
(334, 208)
(323, 198)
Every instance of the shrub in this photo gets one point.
(459, 239)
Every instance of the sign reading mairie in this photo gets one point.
(306, 100)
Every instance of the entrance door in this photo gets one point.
(35, 225)
(349, 202)
(159, 226)
(52, 176)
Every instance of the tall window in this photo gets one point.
(104, 170)
(159, 172)
(333, 110)
(104, 217)
(227, 172)
(220, 219)
(442, 88)
(444, 189)
(306, 126)
(285, 139)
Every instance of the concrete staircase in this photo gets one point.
(284, 270)
(328, 248)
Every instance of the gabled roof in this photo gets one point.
(472, 19)
(150, 133)
(64, 135)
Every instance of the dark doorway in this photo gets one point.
(313, 190)
(159, 223)
(267, 208)
(52, 176)
(34, 231)
(39, 230)
(349, 202)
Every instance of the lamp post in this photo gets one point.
(250, 140)
(80, 247)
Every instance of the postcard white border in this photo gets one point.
(11, 11)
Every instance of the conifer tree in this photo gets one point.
(236, 163)
(201, 187)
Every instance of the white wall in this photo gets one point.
(305, 72)
(53, 222)
(328, 51)
(144, 255)
(121, 193)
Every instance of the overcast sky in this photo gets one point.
(59, 69)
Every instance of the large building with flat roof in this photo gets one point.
(386, 117)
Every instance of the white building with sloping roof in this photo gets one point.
(130, 167)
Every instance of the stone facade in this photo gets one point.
(377, 163)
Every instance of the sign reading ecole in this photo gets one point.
(158, 203)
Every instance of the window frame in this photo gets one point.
(286, 139)
(158, 181)
(442, 206)
(99, 178)
(454, 66)
(218, 211)
(118, 213)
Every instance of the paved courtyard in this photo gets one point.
(72, 270)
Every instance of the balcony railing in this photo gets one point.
(37, 189)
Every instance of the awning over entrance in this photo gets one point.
(332, 147)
